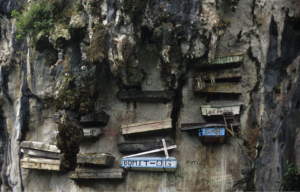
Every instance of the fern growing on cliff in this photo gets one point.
(291, 178)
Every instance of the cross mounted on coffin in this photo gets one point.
(165, 149)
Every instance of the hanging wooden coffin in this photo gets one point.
(212, 135)
(87, 133)
(208, 110)
(40, 154)
(223, 59)
(146, 96)
(93, 159)
(150, 164)
(94, 119)
(39, 146)
(85, 173)
(220, 87)
(220, 74)
(194, 127)
(42, 164)
(146, 128)
(142, 146)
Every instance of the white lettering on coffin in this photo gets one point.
(148, 163)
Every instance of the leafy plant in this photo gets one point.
(42, 15)
(291, 179)
(274, 138)
(276, 88)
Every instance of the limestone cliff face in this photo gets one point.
(77, 66)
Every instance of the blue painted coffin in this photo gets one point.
(212, 132)
(150, 164)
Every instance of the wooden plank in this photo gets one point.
(146, 96)
(87, 133)
(147, 127)
(39, 146)
(142, 146)
(104, 160)
(150, 164)
(221, 74)
(225, 103)
(97, 174)
(94, 119)
(39, 163)
(223, 59)
(221, 87)
(195, 126)
(208, 110)
(40, 154)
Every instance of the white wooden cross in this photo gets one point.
(165, 149)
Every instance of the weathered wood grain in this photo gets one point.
(147, 127)
(142, 146)
(221, 87)
(97, 174)
(221, 74)
(39, 146)
(94, 119)
(40, 154)
(146, 96)
(39, 163)
(104, 160)
(225, 103)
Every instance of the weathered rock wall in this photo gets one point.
(116, 45)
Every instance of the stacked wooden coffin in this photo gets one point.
(40, 156)
(95, 166)
(91, 124)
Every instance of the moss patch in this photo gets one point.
(68, 140)
(97, 51)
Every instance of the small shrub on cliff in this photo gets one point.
(276, 88)
(291, 178)
(42, 15)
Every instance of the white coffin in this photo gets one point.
(208, 110)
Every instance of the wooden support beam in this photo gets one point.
(39, 163)
(158, 126)
(104, 160)
(223, 59)
(146, 96)
(85, 173)
(221, 74)
(221, 87)
(40, 154)
(142, 146)
(94, 119)
(39, 146)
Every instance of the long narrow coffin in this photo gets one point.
(221, 87)
(221, 74)
(146, 96)
(41, 154)
(39, 163)
(56, 117)
(212, 135)
(86, 173)
(93, 159)
(94, 119)
(187, 127)
(87, 133)
(223, 59)
(208, 110)
(158, 126)
(39, 146)
(150, 164)
(142, 146)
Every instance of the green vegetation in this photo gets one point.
(274, 138)
(40, 16)
(276, 88)
(291, 178)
